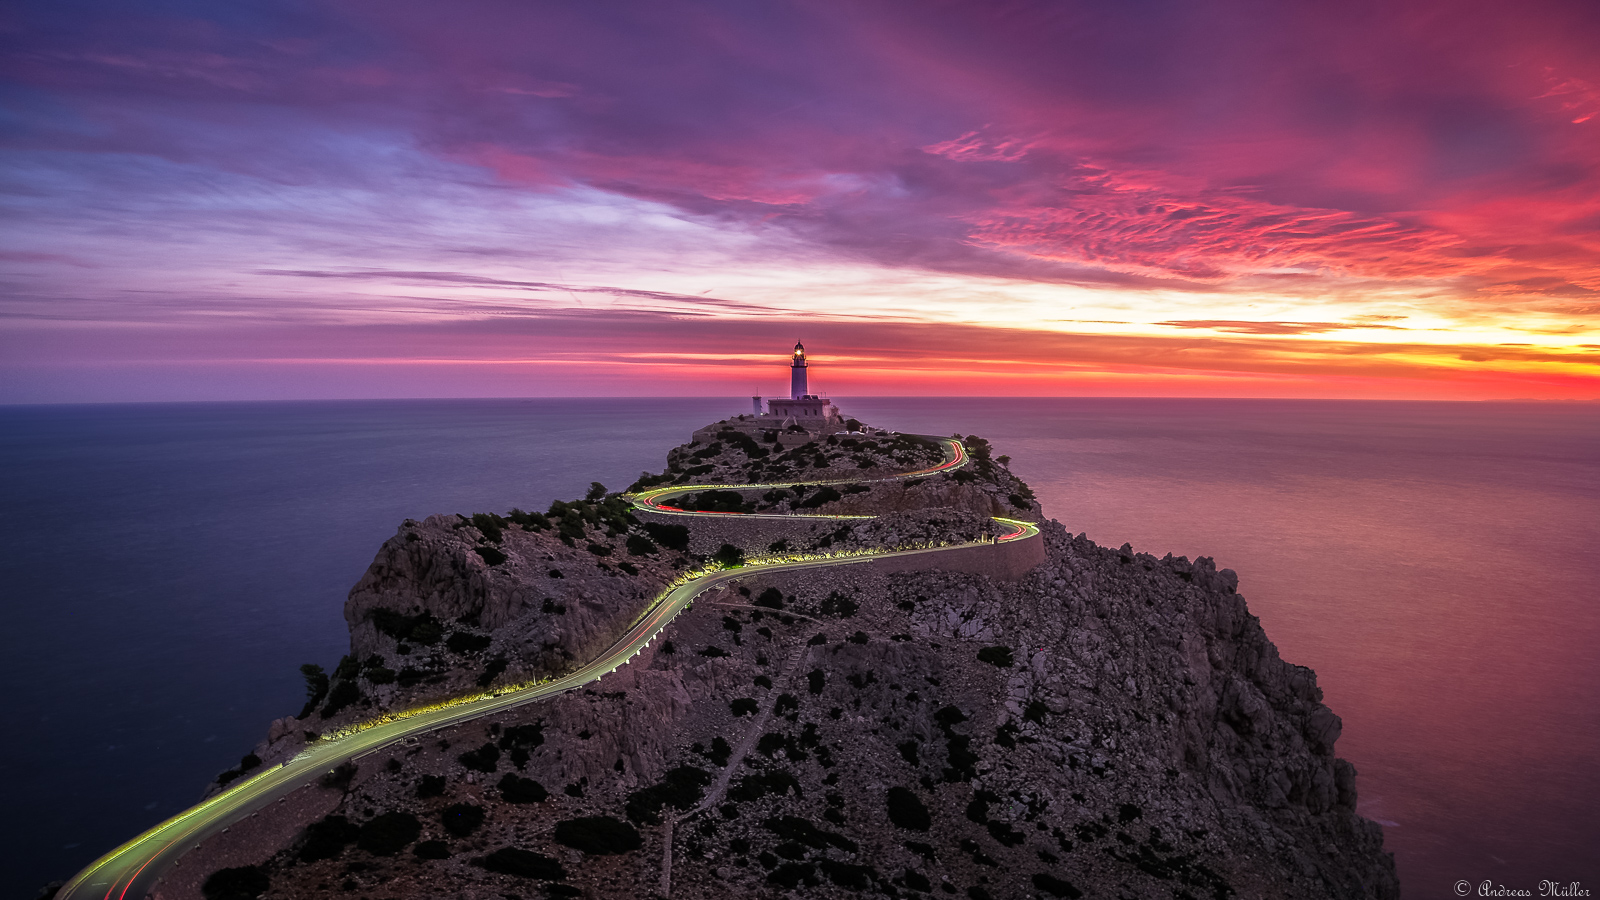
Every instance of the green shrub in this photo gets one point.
(728, 556)
(598, 549)
(523, 864)
(241, 883)
(461, 819)
(997, 656)
(389, 833)
(744, 706)
(490, 555)
(771, 598)
(490, 524)
(906, 810)
(639, 545)
(516, 789)
(381, 675)
(598, 835)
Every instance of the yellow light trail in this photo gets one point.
(133, 869)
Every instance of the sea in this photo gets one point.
(166, 568)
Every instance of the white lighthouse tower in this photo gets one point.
(802, 416)
(797, 373)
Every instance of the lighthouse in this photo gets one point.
(797, 373)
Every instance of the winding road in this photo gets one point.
(132, 870)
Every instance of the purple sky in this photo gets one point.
(238, 200)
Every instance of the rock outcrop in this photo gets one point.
(1109, 724)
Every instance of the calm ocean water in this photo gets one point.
(164, 569)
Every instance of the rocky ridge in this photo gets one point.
(1110, 724)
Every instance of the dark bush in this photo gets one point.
(598, 835)
(859, 637)
(516, 789)
(794, 828)
(751, 788)
(639, 545)
(906, 810)
(316, 687)
(839, 606)
(421, 628)
(598, 549)
(483, 759)
(728, 556)
(744, 706)
(1005, 833)
(389, 833)
(823, 495)
(770, 743)
(380, 675)
(339, 777)
(430, 786)
(461, 819)
(523, 864)
(492, 671)
(816, 680)
(715, 501)
(490, 524)
(720, 751)
(328, 838)
(432, 850)
(790, 874)
(771, 598)
(1056, 887)
(713, 652)
(672, 537)
(242, 883)
(467, 642)
(491, 555)
(681, 789)
(996, 656)
(343, 694)
(1035, 712)
(845, 875)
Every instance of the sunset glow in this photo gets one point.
(362, 199)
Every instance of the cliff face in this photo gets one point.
(1110, 724)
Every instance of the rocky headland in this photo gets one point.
(1089, 722)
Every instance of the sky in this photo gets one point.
(391, 198)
